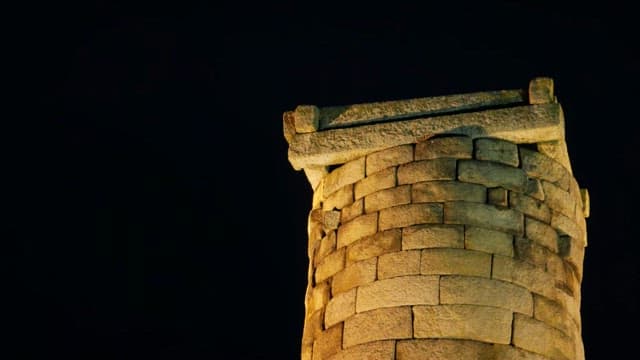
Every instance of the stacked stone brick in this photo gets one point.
(452, 247)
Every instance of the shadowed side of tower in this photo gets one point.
(441, 228)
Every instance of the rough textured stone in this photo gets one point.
(492, 174)
(567, 226)
(497, 150)
(432, 236)
(411, 214)
(356, 274)
(330, 265)
(351, 211)
(557, 150)
(483, 323)
(318, 297)
(586, 202)
(536, 336)
(541, 91)
(481, 291)
(326, 246)
(498, 196)
(378, 324)
(389, 158)
(339, 199)
(529, 251)
(469, 213)
(540, 166)
(541, 233)
(311, 330)
(305, 118)
(381, 180)
(374, 350)
(288, 125)
(534, 189)
(524, 274)
(400, 263)
(398, 291)
(357, 228)
(340, 307)
(455, 261)
(459, 147)
(559, 200)
(447, 349)
(552, 313)
(440, 191)
(491, 241)
(572, 251)
(328, 343)
(346, 174)
(330, 220)
(530, 206)
(315, 174)
(375, 245)
(387, 198)
(427, 170)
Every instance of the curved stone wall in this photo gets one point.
(449, 248)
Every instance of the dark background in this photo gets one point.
(153, 211)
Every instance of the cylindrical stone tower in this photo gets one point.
(441, 228)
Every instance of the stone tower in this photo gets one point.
(441, 228)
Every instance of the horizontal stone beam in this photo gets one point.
(359, 114)
(518, 124)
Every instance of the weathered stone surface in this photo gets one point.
(491, 241)
(315, 174)
(356, 274)
(536, 336)
(432, 236)
(440, 191)
(288, 125)
(340, 307)
(305, 118)
(351, 211)
(330, 265)
(492, 174)
(447, 349)
(411, 214)
(357, 228)
(586, 202)
(374, 350)
(481, 291)
(568, 226)
(552, 313)
(383, 179)
(530, 206)
(524, 274)
(559, 200)
(534, 189)
(398, 291)
(497, 150)
(312, 329)
(455, 261)
(529, 251)
(483, 215)
(378, 324)
(540, 166)
(400, 263)
(498, 196)
(346, 174)
(330, 220)
(387, 198)
(328, 343)
(458, 147)
(572, 251)
(318, 297)
(541, 233)
(541, 90)
(427, 170)
(339, 198)
(520, 124)
(388, 158)
(326, 246)
(375, 245)
(557, 150)
(483, 323)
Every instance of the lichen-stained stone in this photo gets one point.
(459, 147)
(399, 263)
(410, 214)
(388, 158)
(432, 236)
(340, 307)
(568, 226)
(540, 166)
(330, 265)
(522, 273)
(398, 291)
(559, 200)
(383, 179)
(346, 174)
(572, 251)
(552, 313)
(357, 228)
(356, 274)
(491, 241)
(378, 324)
(374, 350)
(455, 261)
(326, 246)
(351, 211)
(536, 336)
(482, 291)
(473, 322)
(305, 118)
(497, 150)
(541, 91)
(541, 234)
(530, 206)
(427, 170)
(328, 343)
(375, 245)
(492, 174)
(440, 191)
(339, 199)
(387, 198)
(529, 251)
(534, 189)
(498, 196)
(483, 215)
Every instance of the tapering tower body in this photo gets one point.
(441, 228)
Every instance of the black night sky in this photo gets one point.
(153, 213)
